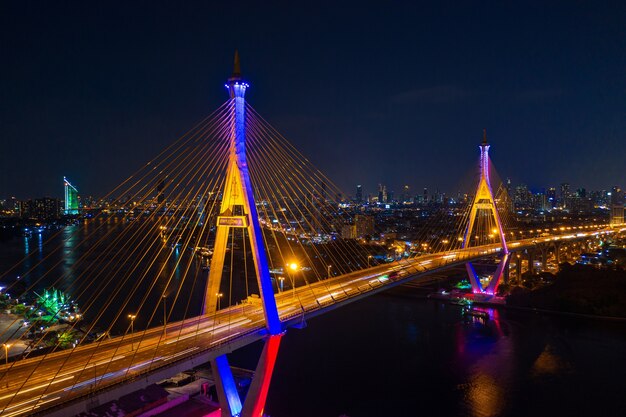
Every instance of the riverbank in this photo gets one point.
(578, 290)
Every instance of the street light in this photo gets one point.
(293, 267)
(368, 260)
(282, 282)
(329, 266)
(219, 298)
(164, 298)
(6, 352)
(132, 318)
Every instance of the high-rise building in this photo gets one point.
(617, 197)
(617, 206)
(565, 195)
(364, 225)
(348, 231)
(41, 209)
(71, 198)
(406, 194)
(359, 194)
(522, 197)
(382, 194)
(551, 197)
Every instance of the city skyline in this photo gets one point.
(404, 112)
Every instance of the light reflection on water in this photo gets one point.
(71, 260)
(402, 356)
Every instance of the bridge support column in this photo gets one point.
(227, 393)
(544, 258)
(557, 255)
(531, 260)
(507, 269)
(257, 394)
(518, 268)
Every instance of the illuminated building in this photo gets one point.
(364, 225)
(359, 194)
(617, 206)
(382, 194)
(551, 197)
(348, 231)
(406, 194)
(71, 198)
(41, 209)
(565, 195)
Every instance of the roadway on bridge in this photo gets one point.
(34, 384)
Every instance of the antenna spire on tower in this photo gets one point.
(237, 66)
(484, 136)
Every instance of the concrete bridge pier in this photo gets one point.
(557, 254)
(531, 260)
(544, 257)
(506, 270)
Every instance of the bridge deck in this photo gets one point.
(35, 384)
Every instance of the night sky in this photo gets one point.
(376, 92)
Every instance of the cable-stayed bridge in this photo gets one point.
(234, 198)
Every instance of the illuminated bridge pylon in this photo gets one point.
(238, 210)
(484, 209)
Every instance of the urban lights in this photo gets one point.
(132, 318)
(219, 296)
(6, 352)
(293, 267)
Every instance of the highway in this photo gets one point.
(34, 384)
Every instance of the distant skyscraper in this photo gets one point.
(551, 197)
(382, 193)
(71, 198)
(406, 194)
(522, 197)
(565, 195)
(617, 206)
(359, 194)
(617, 197)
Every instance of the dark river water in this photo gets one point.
(397, 355)
(394, 354)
